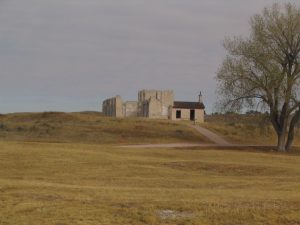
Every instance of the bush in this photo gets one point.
(3, 126)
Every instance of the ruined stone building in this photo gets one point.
(154, 104)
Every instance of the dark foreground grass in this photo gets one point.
(92, 128)
(84, 184)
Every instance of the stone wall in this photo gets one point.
(130, 109)
(185, 114)
(154, 108)
(113, 107)
(155, 103)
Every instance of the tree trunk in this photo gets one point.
(281, 142)
(280, 126)
(290, 139)
(291, 133)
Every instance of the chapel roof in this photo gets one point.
(188, 105)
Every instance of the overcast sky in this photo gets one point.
(69, 55)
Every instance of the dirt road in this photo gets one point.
(213, 137)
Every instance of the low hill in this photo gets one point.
(92, 127)
(245, 129)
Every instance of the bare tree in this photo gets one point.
(263, 70)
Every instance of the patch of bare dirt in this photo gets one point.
(173, 214)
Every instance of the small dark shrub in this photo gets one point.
(20, 129)
(3, 126)
(180, 132)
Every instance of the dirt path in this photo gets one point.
(172, 145)
(213, 137)
(216, 140)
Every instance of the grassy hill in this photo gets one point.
(246, 129)
(68, 168)
(92, 128)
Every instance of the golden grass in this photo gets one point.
(85, 184)
(243, 129)
(84, 178)
(92, 128)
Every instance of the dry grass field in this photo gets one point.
(246, 129)
(42, 183)
(91, 127)
(70, 174)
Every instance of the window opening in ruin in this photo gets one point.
(178, 114)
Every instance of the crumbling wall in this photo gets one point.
(155, 108)
(155, 103)
(130, 109)
(113, 107)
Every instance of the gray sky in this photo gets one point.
(69, 55)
